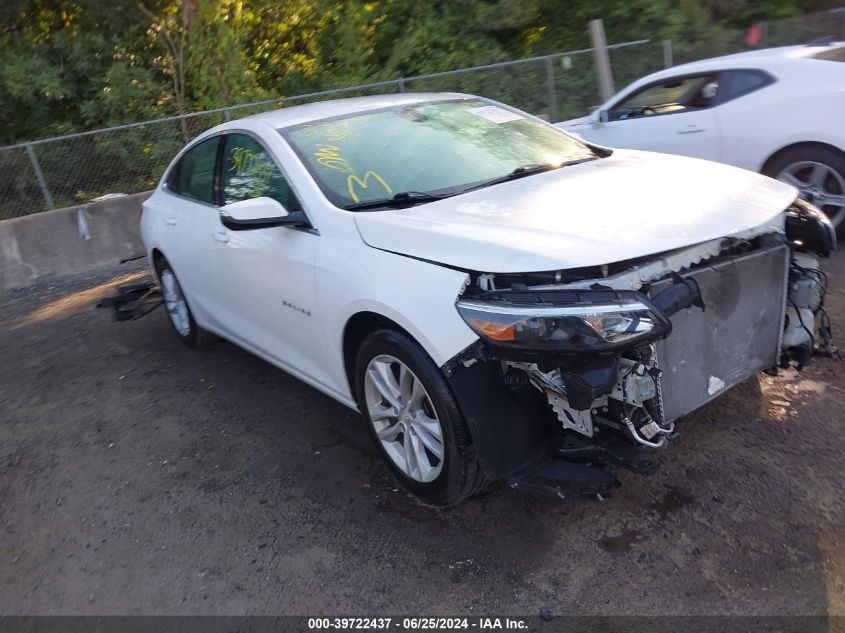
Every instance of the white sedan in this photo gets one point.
(498, 299)
(780, 112)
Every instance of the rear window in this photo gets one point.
(832, 54)
(193, 175)
(737, 83)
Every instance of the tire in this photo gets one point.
(180, 316)
(819, 173)
(436, 481)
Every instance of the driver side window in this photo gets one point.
(669, 97)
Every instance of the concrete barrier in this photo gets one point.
(69, 241)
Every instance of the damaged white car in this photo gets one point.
(500, 300)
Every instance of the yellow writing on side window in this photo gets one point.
(354, 184)
(243, 160)
(329, 156)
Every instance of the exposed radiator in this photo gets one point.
(736, 336)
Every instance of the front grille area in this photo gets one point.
(736, 336)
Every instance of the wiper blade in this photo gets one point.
(578, 161)
(519, 172)
(404, 198)
(528, 170)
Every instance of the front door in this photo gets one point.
(675, 116)
(269, 273)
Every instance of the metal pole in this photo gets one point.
(401, 83)
(602, 59)
(226, 115)
(668, 62)
(554, 117)
(40, 176)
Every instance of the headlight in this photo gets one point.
(585, 326)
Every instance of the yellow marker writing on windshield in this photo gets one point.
(339, 131)
(329, 156)
(353, 183)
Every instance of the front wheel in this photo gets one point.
(819, 175)
(414, 419)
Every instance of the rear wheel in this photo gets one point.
(177, 307)
(414, 419)
(818, 173)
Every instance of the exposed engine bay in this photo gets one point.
(595, 366)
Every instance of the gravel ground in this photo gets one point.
(138, 476)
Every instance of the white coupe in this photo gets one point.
(780, 112)
(499, 300)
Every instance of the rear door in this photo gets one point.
(192, 228)
(674, 116)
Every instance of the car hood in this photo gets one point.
(631, 204)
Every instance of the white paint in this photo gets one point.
(286, 295)
(612, 209)
(12, 254)
(634, 278)
(715, 385)
(82, 224)
(805, 103)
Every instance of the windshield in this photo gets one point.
(426, 149)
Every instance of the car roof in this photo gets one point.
(295, 115)
(764, 59)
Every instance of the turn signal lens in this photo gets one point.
(494, 330)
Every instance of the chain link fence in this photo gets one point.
(75, 168)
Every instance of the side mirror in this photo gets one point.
(601, 117)
(259, 213)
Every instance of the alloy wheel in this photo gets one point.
(404, 418)
(818, 184)
(175, 303)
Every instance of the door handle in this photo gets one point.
(221, 236)
(171, 221)
(690, 129)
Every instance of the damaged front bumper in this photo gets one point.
(551, 418)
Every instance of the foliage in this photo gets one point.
(71, 65)
(81, 64)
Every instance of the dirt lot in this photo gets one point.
(138, 476)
